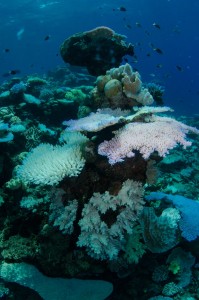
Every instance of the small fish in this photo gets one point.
(156, 25)
(6, 50)
(11, 72)
(128, 26)
(158, 50)
(137, 24)
(14, 72)
(179, 68)
(122, 8)
(47, 37)
(126, 60)
(159, 66)
(148, 54)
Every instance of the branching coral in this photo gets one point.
(105, 241)
(161, 135)
(64, 216)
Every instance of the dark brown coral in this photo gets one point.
(98, 50)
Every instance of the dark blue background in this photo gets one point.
(178, 38)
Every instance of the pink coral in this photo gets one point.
(161, 135)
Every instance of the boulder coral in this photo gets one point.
(121, 87)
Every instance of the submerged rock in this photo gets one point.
(98, 49)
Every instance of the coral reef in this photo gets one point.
(189, 223)
(91, 49)
(105, 241)
(48, 164)
(120, 87)
(110, 193)
(160, 233)
(5, 135)
(161, 135)
(54, 288)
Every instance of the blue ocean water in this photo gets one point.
(25, 24)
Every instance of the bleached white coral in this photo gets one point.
(93, 123)
(73, 138)
(48, 165)
(106, 117)
(147, 112)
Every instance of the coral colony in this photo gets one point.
(81, 184)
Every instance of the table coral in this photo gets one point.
(161, 135)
